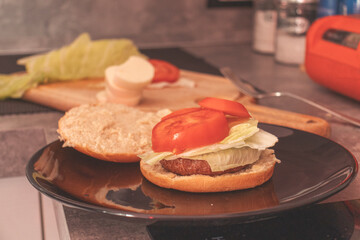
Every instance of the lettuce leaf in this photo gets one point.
(15, 85)
(229, 158)
(81, 59)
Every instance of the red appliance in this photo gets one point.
(333, 54)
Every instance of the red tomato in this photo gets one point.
(187, 131)
(180, 112)
(225, 106)
(164, 71)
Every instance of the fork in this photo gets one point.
(257, 93)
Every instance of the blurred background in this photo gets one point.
(40, 25)
(28, 26)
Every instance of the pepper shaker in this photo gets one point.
(264, 26)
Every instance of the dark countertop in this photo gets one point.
(21, 122)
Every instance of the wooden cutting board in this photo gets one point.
(66, 95)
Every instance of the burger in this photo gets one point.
(215, 147)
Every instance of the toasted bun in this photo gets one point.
(255, 175)
(108, 131)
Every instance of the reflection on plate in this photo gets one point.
(312, 169)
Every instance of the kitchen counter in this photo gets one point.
(25, 127)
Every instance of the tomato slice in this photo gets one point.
(181, 112)
(191, 130)
(226, 106)
(164, 71)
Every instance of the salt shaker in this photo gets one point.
(294, 19)
(264, 26)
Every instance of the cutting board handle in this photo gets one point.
(289, 119)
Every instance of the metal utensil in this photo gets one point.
(253, 91)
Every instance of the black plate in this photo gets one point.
(312, 168)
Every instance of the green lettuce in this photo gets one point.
(229, 158)
(243, 146)
(15, 85)
(81, 59)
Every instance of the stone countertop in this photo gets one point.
(259, 69)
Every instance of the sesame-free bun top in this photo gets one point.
(108, 131)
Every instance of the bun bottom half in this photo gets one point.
(252, 176)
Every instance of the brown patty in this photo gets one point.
(185, 167)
